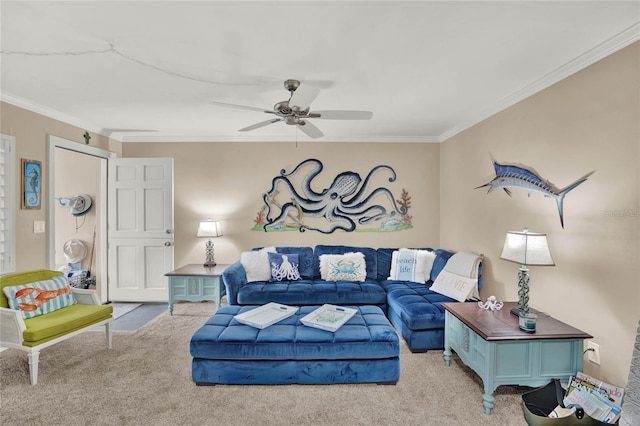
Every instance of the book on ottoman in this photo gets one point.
(328, 317)
(266, 315)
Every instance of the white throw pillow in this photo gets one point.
(256, 264)
(454, 286)
(411, 265)
(343, 267)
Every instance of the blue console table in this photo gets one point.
(492, 344)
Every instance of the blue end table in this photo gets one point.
(196, 283)
(492, 344)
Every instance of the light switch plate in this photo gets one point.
(38, 226)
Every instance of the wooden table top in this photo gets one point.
(198, 269)
(503, 325)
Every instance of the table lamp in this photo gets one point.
(209, 229)
(527, 249)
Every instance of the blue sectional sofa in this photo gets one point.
(413, 309)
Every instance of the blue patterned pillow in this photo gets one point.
(40, 297)
(343, 267)
(284, 267)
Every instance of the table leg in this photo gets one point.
(447, 355)
(170, 308)
(487, 401)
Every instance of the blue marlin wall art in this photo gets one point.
(512, 176)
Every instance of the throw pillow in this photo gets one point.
(343, 267)
(284, 267)
(40, 297)
(454, 286)
(411, 265)
(256, 264)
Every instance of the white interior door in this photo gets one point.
(140, 248)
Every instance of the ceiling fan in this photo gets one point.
(295, 110)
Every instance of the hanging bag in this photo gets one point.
(539, 403)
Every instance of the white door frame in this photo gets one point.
(58, 142)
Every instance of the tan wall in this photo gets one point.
(226, 181)
(587, 122)
(31, 131)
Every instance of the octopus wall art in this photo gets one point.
(348, 204)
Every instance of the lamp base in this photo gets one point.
(209, 265)
(518, 312)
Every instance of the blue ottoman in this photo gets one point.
(364, 350)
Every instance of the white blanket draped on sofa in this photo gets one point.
(459, 277)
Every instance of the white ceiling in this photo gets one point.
(426, 69)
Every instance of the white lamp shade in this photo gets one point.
(527, 248)
(209, 228)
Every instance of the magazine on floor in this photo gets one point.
(600, 400)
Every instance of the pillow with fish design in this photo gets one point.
(40, 297)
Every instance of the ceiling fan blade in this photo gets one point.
(342, 115)
(303, 96)
(242, 107)
(311, 130)
(261, 124)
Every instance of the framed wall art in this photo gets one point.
(31, 184)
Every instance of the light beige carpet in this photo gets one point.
(146, 380)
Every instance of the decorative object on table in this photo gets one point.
(209, 229)
(266, 315)
(295, 110)
(328, 317)
(31, 184)
(509, 176)
(347, 203)
(492, 304)
(527, 321)
(527, 249)
(86, 137)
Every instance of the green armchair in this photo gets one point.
(34, 334)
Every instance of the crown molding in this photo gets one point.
(604, 49)
(250, 139)
(50, 113)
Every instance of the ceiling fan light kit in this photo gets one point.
(296, 110)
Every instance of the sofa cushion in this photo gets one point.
(305, 259)
(455, 286)
(284, 267)
(417, 306)
(256, 264)
(411, 265)
(343, 267)
(384, 256)
(63, 321)
(313, 292)
(370, 258)
(40, 297)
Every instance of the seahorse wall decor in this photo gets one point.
(509, 176)
(348, 204)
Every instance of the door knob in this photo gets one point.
(168, 231)
(167, 243)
